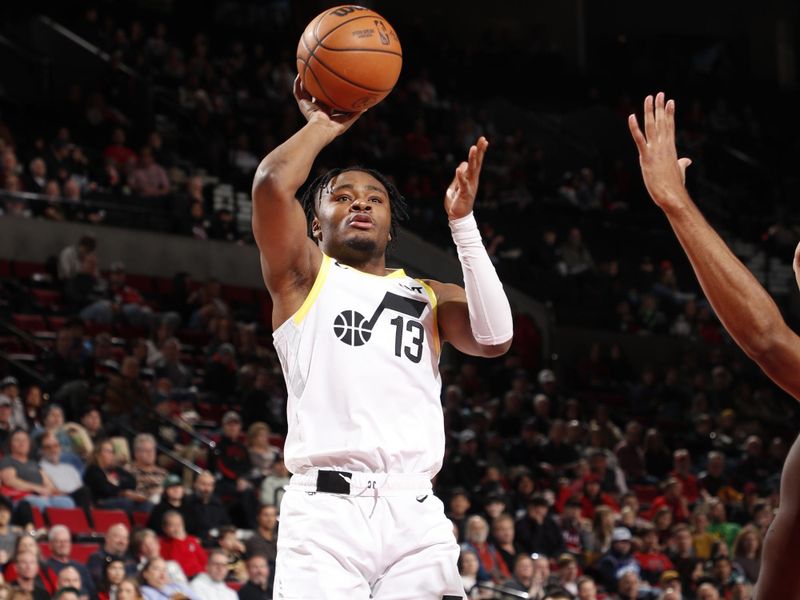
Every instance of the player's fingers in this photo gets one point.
(649, 120)
(472, 158)
(669, 118)
(684, 163)
(636, 133)
(483, 145)
(659, 112)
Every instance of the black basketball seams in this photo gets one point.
(346, 80)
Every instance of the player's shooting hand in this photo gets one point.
(664, 173)
(460, 196)
(315, 111)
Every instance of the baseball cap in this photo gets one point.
(9, 380)
(546, 376)
(621, 534)
(5, 400)
(669, 575)
(231, 416)
(172, 480)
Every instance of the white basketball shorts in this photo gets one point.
(356, 536)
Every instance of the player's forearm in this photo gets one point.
(287, 167)
(741, 303)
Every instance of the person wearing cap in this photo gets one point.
(537, 531)
(171, 499)
(9, 387)
(670, 582)
(231, 463)
(573, 526)
(619, 559)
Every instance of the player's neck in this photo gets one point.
(373, 264)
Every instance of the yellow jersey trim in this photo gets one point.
(434, 304)
(395, 274)
(315, 290)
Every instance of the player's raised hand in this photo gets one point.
(315, 111)
(664, 173)
(460, 196)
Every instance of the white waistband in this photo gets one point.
(371, 484)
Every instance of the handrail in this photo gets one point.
(32, 373)
(163, 449)
(23, 334)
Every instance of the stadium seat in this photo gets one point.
(24, 270)
(44, 550)
(140, 518)
(103, 519)
(29, 322)
(38, 518)
(82, 552)
(74, 518)
(47, 299)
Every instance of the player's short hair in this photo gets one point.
(397, 203)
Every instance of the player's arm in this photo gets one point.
(288, 255)
(476, 319)
(744, 307)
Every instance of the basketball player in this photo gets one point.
(359, 346)
(746, 311)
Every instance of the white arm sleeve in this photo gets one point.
(489, 310)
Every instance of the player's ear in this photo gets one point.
(316, 231)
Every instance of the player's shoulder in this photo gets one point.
(444, 291)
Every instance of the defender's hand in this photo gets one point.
(317, 112)
(460, 196)
(664, 173)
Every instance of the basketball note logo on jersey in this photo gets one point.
(360, 359)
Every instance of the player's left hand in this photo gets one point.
(460, 196)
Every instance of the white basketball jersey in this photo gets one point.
(361, 362)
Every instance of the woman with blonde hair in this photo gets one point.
(262, 453)
(129, 590)
(602, 528)
(747, 551)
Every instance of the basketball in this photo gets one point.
(349, 57)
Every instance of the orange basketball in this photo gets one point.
(349, 58)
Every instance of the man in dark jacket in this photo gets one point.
(259, 576)
(537, 532)
(206, 510)
(618, 560)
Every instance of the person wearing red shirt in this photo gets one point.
(651, 559)
(476, 534)
(682, 470)
(117, 152)
(184, 549)
(591, 498)
(673, 499)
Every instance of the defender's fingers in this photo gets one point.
(636, 133)
(649, 119)
(659, 111)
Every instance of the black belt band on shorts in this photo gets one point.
(334, 482)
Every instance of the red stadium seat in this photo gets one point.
(38, 518)
(141, 283)
(44, 550)
(5, 269)
(82, 552)
(56, 322)
(74, 518)
(140, 518)
(24, 270)
(103, 519)
(29, 322)
(48, 299)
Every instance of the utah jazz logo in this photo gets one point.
(354, 329)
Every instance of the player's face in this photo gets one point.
(353, 213)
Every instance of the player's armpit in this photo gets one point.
(454, 325)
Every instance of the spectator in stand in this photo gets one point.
(537, 531)
(556, 452)
(8, 533)
(618, 560)
(69, 579)
(33, 407)
(682, 554)
(703, 540)
(720, 526)
(92, 423)
(262, 453)
(157, 586)
(587, 590)
(121, 302)
(71, 258)
(122, 156)
(673, 498)
(24, 476)
(36, 178)
(264, 540)
(652, 561)
(531, 575)
(259, 576)
(148, 475)
(60, 542)
(30, 579)
(629, 453)
(747, 552)
(713, 480)
(575, 256)
(9, 388)
(602, 530)
(234, 549)
(172, 499)
(112, 486)
(574, 529)
(682, 470)
(6, 428)
(503, 538)
(181, 547)
(471, 575)
(115, 547)
(476, 538)
(146, 547)
(197, 225)
(127, 399)
(171, 367)
(274, 485)
(567, 574)
(113, 575)
(208, 512)
(707, 591)
(231, 461)
(657, 457)
(210, 584)
(149, 179)
(207, 304)
(129, 590)
(630, 588)
(64, 475)
(223, 226)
